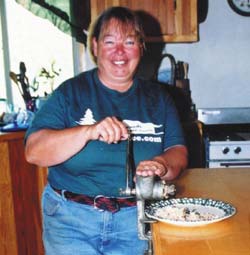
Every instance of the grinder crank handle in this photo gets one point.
(129, 169)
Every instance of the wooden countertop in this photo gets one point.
(5, 136)
(228, 237)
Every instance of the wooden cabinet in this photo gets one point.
(21, 185)
(164, 20)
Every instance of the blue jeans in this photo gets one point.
(73, 228)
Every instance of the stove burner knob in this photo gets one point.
(237, 150)
(225, 150)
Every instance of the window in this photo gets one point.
(2, 80)
(40, 46)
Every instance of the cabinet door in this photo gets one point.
(21, 186)
(27, 184)
(8, 236)
(164, 20)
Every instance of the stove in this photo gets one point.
(226, 135)
(226, 153)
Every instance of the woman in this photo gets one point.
(81, 132)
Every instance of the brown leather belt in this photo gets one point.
(111, 204)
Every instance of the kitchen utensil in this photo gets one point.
(146, 188)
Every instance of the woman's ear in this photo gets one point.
(143, 48)
(94, 47)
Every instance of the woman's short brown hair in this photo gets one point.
(124, 16)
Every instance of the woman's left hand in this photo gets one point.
(151, 167)
(167, 166)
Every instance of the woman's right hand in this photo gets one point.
(48, 147)
(109, 130)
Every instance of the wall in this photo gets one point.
(219, 64)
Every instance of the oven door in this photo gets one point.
(228, 164)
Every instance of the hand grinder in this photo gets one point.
(146, 188)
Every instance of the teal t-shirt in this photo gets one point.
(100, 168)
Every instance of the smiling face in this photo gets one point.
(118, 52)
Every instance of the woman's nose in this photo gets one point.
(120, 48)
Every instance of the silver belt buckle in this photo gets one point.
(110, 205)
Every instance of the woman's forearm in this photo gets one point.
(50, 147)
(174, 159)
